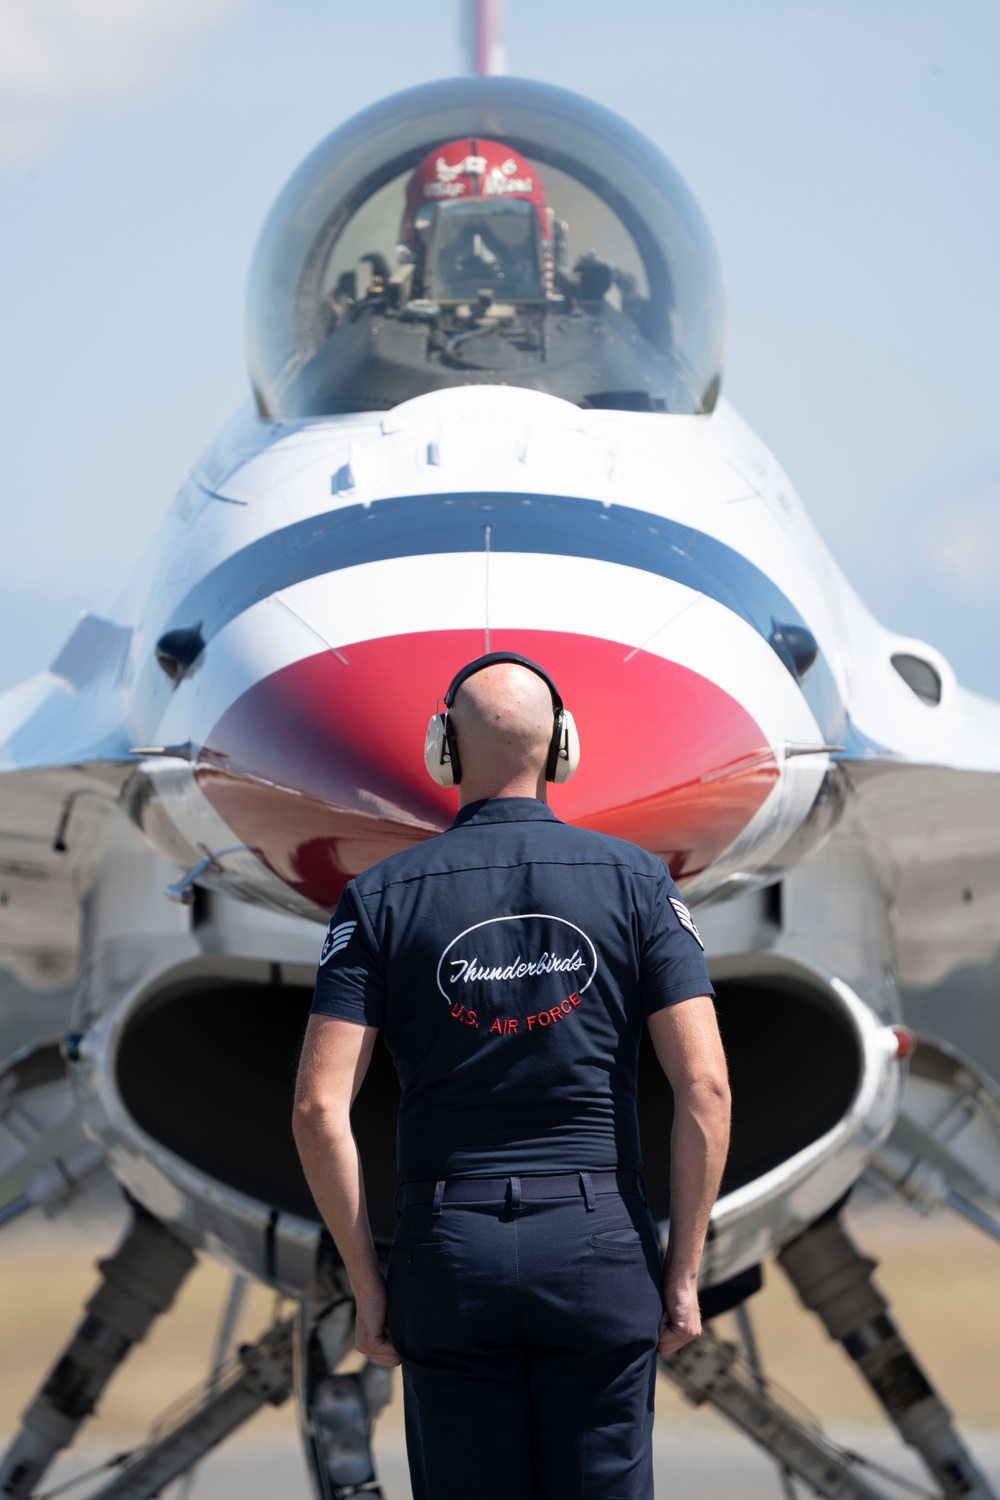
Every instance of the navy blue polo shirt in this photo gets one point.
(510, 963)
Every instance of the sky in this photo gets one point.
(847, 156)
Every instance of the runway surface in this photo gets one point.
(689, 1465)
(942, 1277)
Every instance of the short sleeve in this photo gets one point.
(350, 980)
(672, 962)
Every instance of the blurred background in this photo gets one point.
(847, 155)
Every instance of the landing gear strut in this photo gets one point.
(708, 1371)
(337, 1412)
(139, 1282)
(833, 1279)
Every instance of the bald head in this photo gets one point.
(502, 720)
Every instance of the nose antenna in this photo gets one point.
(487, 53)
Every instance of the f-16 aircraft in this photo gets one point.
(486, 329)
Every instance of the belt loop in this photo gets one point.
(587, 1189)
(642, 1186)
(514, 1188)
(397, 1206)
(438, 1197)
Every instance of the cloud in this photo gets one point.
(58, 57)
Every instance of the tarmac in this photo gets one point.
(699, 1463)
(942, 1277)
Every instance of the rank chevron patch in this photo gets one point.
(337, 938)
(686, 920)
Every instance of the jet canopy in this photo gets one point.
(485, 231)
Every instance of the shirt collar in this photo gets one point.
(504, 810)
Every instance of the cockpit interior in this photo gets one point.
(485, 231)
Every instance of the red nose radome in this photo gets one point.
(319, 766)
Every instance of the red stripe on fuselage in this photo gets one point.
(319, 767)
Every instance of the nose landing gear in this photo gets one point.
(337, 1412)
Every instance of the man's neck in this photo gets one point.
(478, 789)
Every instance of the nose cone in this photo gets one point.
(318, 767)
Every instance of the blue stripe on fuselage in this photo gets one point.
(556, 525)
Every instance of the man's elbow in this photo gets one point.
(313, 1120)
(708, 1092)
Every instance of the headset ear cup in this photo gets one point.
(568, 755)
(438, 747)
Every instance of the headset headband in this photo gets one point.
(441, 755)
(491, 659)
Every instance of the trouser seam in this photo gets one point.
(517, 1284)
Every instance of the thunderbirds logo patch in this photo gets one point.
(337, 939)
(513, 975)
(686, 920)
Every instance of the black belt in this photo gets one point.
(532, 1189)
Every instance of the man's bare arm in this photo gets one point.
(335, 1058)
(688, 1045)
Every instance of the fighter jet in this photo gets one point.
(486, 329)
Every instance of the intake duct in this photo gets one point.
(208, 1070)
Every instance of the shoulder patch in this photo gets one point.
(686, 920)
(337, 938)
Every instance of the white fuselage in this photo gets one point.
(338, 571)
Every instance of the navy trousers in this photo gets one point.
(528, 1340)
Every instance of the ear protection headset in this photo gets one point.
(440, 747)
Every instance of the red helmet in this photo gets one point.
(471, 168)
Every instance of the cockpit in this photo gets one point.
(482, 253)
(485, 231)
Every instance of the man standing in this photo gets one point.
(511, 963)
